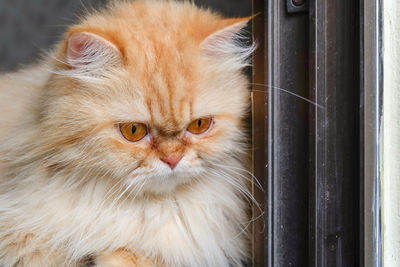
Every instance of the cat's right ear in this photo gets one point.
(90, 51)
(228, 43)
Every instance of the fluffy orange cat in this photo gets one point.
(124, 147)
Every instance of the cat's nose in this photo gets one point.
(172, 161)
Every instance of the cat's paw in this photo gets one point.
(122, 258)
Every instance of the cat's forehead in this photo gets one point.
(166, 62)
(169, 100)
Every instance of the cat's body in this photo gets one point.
(71, 186)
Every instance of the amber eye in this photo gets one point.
(199, 126)
(133, 131)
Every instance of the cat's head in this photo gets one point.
(150, 93)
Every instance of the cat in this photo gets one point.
(125, 145)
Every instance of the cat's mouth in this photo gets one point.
(163, 179)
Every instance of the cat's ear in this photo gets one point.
(228, 40)
(88, 50)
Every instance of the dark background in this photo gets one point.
(28, 27)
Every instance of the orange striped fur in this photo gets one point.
(72, 187)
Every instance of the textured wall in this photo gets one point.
(29, 26)
(391, 134)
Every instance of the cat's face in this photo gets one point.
(152, 108)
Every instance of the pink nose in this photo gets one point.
(172, 161)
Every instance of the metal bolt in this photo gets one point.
(332, 241)
(298, 2)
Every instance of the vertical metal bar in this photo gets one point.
(361, 220)
(260, 134)
(319, 142)
(334, 172)
(287, 83)
(272, 11)
(280, 75)
(373, 79)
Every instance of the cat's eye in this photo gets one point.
(200, 126)
(133, 131)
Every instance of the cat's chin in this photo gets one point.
(169, 183)
(166, 181)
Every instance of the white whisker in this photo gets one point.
(232, 168)
(288, 92)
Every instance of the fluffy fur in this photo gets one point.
(73, 190)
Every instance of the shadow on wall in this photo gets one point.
(28, 27)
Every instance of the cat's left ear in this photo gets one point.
(228, 40)
(89, 50)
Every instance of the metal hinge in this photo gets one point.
(296, 6)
